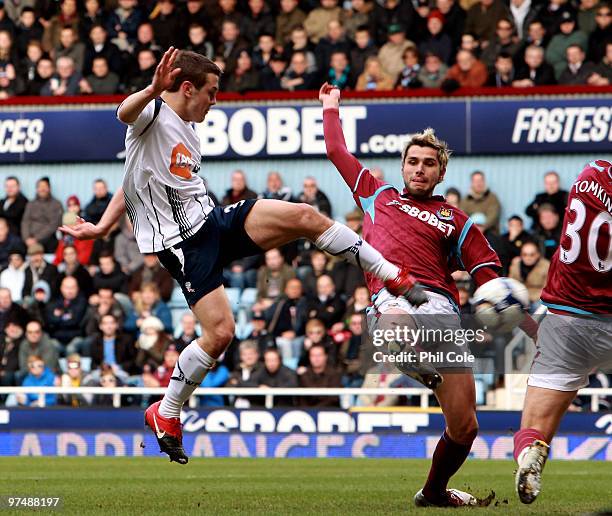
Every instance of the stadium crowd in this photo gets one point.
(100, 313)
(62, 48)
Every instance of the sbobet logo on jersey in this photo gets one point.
(20, 135)
(563, 125)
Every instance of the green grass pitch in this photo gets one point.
(147, 486)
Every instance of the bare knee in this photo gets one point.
(464, 431)
(310, 221)
(216, 340)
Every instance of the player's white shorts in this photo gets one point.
(439, 316)
(568, 349)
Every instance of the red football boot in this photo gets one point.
(406, 285)
(167, 432)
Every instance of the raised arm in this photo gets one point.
(164, 76)
(347, 164)
(87, 231)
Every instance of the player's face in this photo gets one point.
(421, 171)
(203, 99)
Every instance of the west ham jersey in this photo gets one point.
(579, 279)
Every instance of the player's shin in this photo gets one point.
(191, 367)
(340, 240)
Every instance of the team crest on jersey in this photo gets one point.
(445, 213)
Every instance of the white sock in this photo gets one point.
(191, 368)
(340, 240)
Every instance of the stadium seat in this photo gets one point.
(248, 298)
(177, 300)
(233, 295)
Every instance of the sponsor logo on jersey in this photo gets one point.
(424, 216)
(445, 213)
(181, 162)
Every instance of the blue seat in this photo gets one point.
(248, 298)
(233, 295)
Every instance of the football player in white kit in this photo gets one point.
(173, 216)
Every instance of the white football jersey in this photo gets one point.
(165, 198)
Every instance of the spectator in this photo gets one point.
(147, 62)
(239, 190)
(167, 24)
(105, 378)
(453, 197)
(470, 43)
(110, 275)
(454, 19)
(481, 199)
(102, 81)
(146, 304)
(70, 46)
(65, 314)
(10, 343)
(314, 197)
(274, 374)
(127, 254)
(232, 44)
(577, 70)
(534, 71)
(316, 23)
(358, 302)
(272, 279)
(38, 269)
(333, 41)
(536, 36)
(102, 303)
(503, 75)
(44, 73)
(504, 43)
(245, 78)
(73, 377)
(275, 189)
(556, 52)
(197, 40)
(84, 248)
(70, 266)
(339, 72)
(9, 243)
(601, 36)
(523, 12)
(299, 42)
(216, 377)
(92, 16)
(28, 29)
(263, 51)
(481, 19)
(512, 241)
(316, 334)
(310, 275)
(319, 375)
(602, 75)
(257, 20)
(374, 78)
(36, 301)
(552, 194)
(123, 22)
(38, 343)
(530, 269)
(38, 376)
(152, 343)
(350, 351)
(287, 316)
(13, 206)
(113, 347)
(242, 376)
(27, 68)
(391, 12)
(145, 40)
(13, 277)
(99, 202)
(65, 81)
(433, 72)
(409, 76)
(356, 17)
(151, 271)
(163, 373)
(467, 72)
(326, 306)
(390, 54)
(272, 74)
(297, 77)
(548, 232)
(553, 13)
(362, 49)
(586, 15)
(42, 217)
(188, 332)
(290, 17)
(347, 277)
(194, 13)
(68, 16)
(436, 40)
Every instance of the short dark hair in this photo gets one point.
(194, 69)
(477, 173)
(12, 178)
(516, 217)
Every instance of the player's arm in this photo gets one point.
(83, 230)
(164, 76)
(350, 168)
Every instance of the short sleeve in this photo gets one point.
(146, 115)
